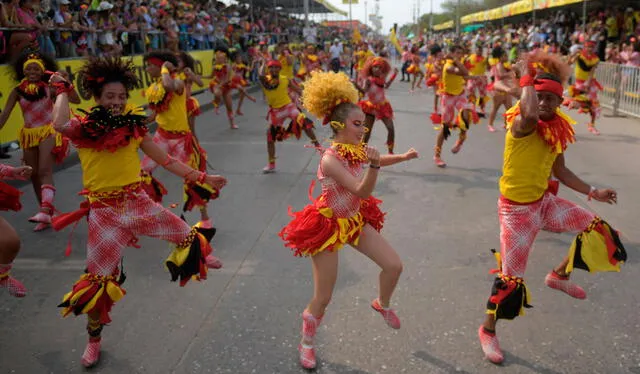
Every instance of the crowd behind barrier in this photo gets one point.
(78, 28)
(615, 30)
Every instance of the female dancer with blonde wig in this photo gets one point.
(345, 212)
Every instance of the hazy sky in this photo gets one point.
(392, 11)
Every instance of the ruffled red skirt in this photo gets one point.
(9, 197)
(380, 111)
(315, 229)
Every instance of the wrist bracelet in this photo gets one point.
(372, 166)
(201, 177)
(186, 176)
(526, 80)
(592, 191)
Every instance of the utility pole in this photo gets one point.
(431, 17)
(365, 14)
(458, 19)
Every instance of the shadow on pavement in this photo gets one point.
(330, 367)
(449, 368)
(511, 360)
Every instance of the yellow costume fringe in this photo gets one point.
(32, 137)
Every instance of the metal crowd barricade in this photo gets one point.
(621, 88)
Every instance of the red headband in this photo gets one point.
(548, 85)
(155, 61)
(273, 63)
(590, 43)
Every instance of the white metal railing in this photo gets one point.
(621, 88)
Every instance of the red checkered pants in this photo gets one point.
(449, 104)
(116, 226)
(520, 223)
(178, 148)
(277, 116)
(479, 84)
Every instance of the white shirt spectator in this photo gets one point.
(335, 50)
(309, 34)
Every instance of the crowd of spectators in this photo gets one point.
(615, 30)
(76, 28)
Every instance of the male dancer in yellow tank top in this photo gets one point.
(276, 90)
(167, 97)
(453, 100)
(537, 136)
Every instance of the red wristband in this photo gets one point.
(63, 87)
(526, 81)
(202, 177)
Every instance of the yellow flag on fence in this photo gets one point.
(356, 35)
(394, 40)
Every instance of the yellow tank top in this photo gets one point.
(582, 74)
(453, 84)
(526, 168)
(175, 117)
(493, 61)
(105, 171)
(287, 70)
(479, 67)
(279, 96)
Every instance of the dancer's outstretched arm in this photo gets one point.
(388, 160)
(178, 168)
(569, 179)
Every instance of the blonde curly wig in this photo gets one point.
(324, 91)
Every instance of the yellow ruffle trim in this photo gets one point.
(32, 137)
(347, 228)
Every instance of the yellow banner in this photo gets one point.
(443, 26)
(347, 2)
(10, 131)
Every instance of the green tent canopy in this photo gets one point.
(470, 28)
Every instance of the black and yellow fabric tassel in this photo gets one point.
(598, 248)
(509, 295)
(187, 260)
(93, 294)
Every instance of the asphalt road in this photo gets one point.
(246, 317)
